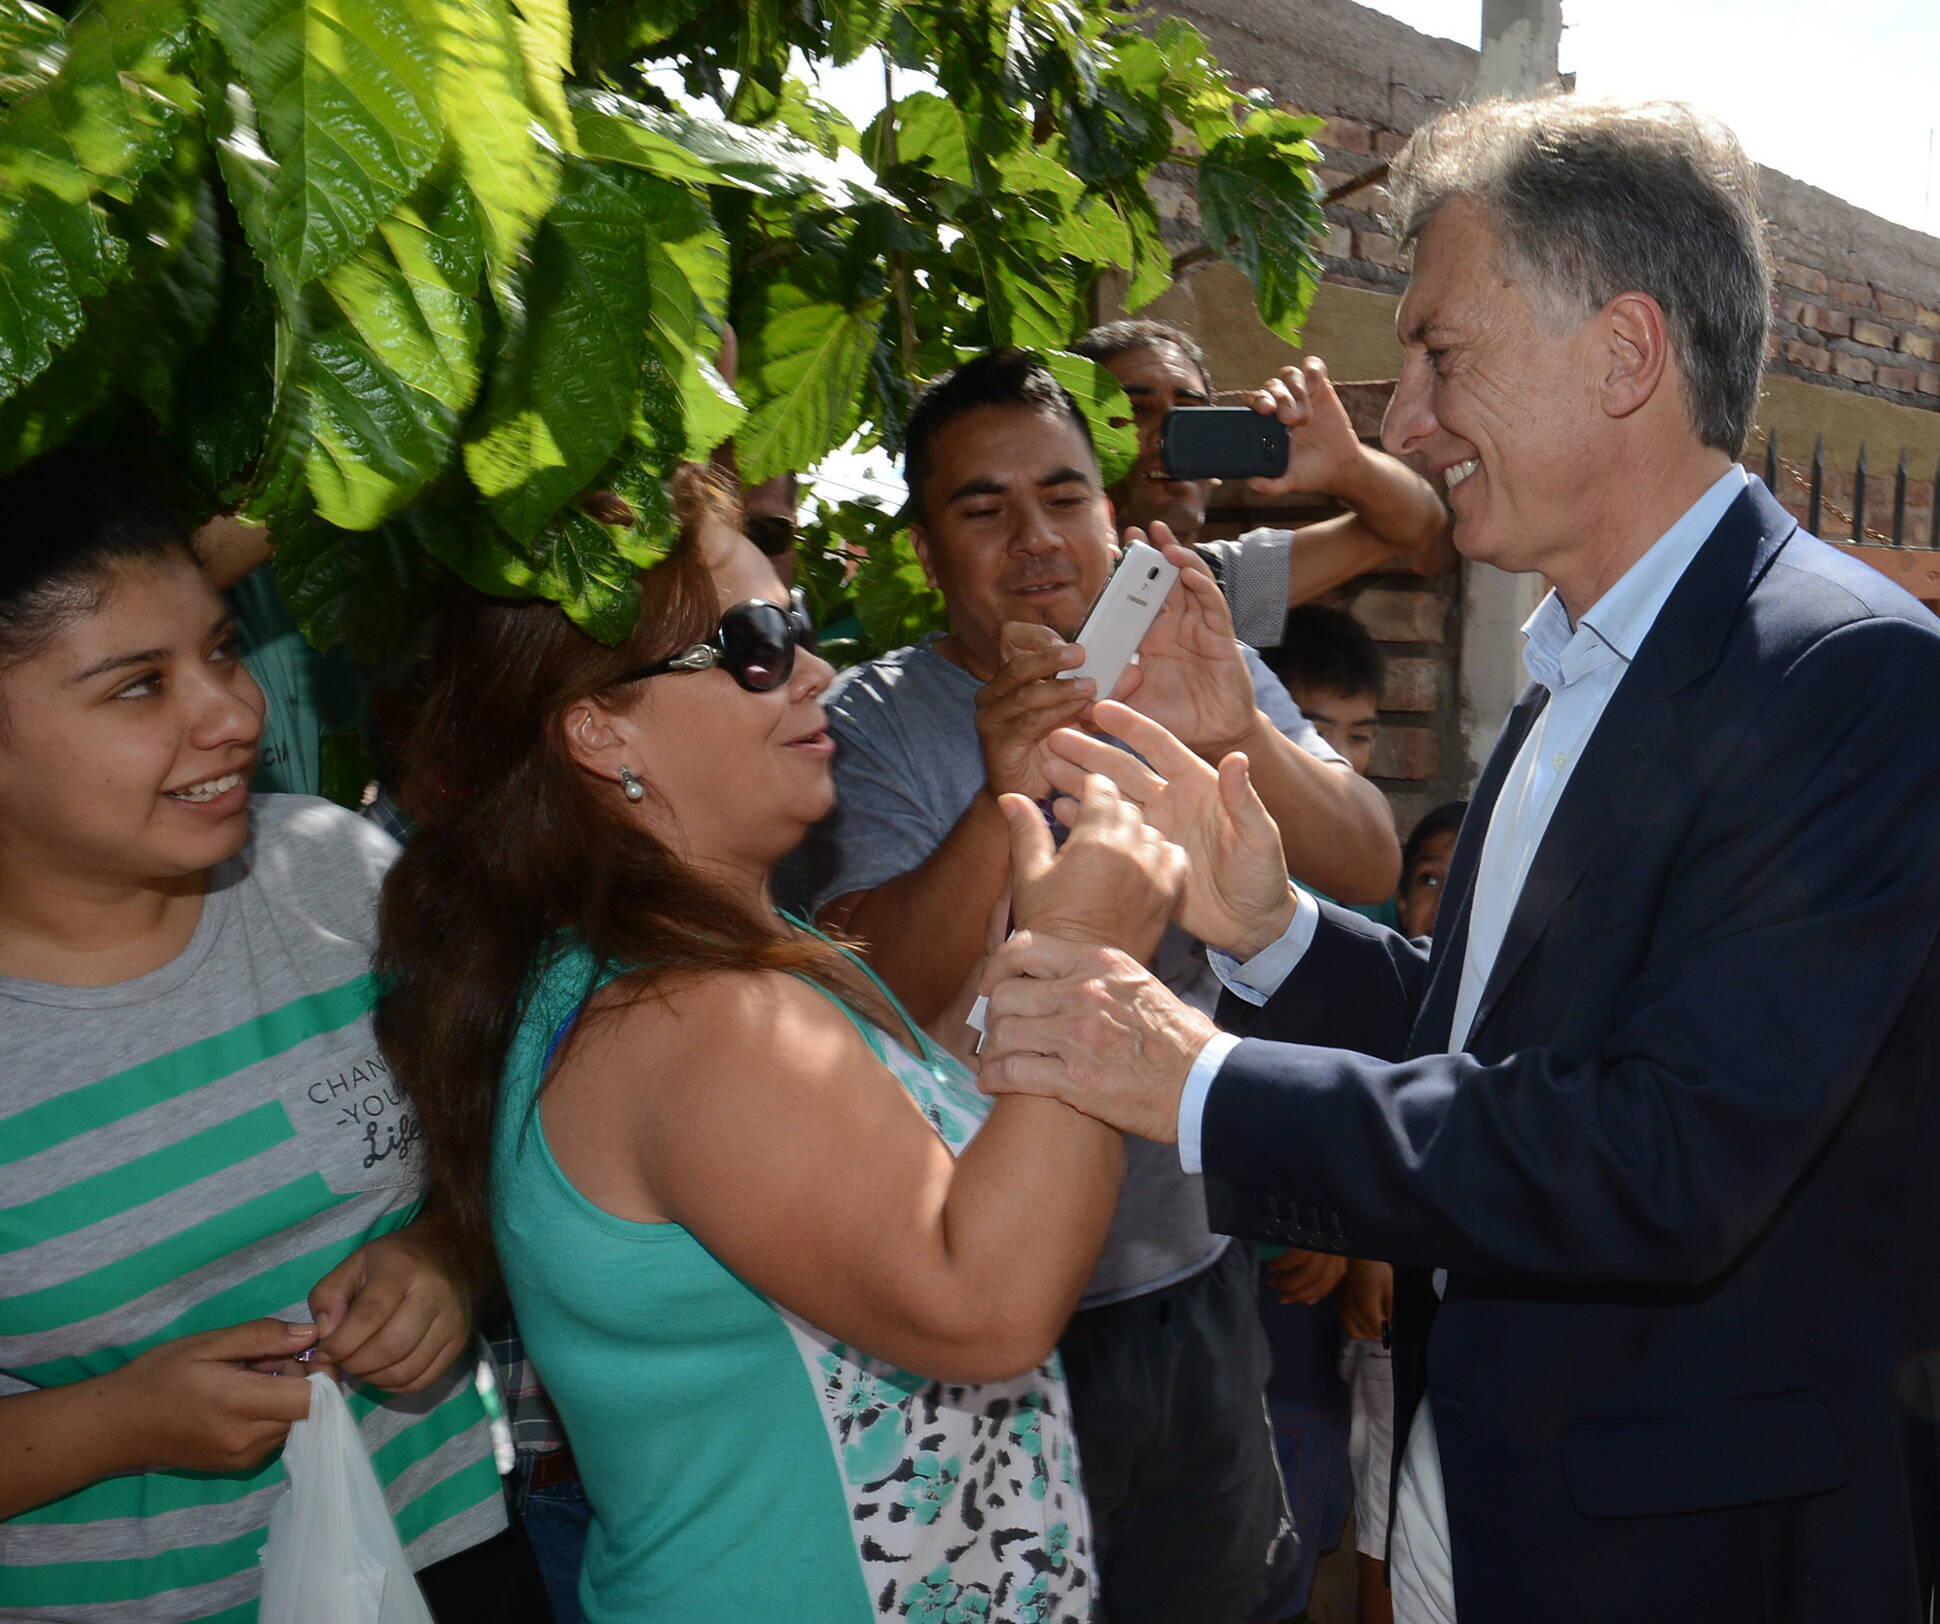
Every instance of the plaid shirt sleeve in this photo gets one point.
(534, 1422)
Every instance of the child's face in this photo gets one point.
(1346, 721)
(1418, 902)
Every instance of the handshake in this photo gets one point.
(1073, 1015)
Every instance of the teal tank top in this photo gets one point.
(740, 1463)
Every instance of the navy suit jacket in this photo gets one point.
(1686, 1179)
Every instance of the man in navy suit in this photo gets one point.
(1651, 1132)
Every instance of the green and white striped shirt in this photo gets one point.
(195, 1148)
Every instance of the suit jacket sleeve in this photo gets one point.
(1358, 986)
(1758, 989)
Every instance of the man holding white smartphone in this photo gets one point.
(1165, 1355)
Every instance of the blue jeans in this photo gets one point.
(555, 1519)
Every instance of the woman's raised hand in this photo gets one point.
(1115, 881)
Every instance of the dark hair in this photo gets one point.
(516, 842)
(1446, 819)
(67, 522)
(1141, 333)
(1326, 649)
(996, 378)
(1596, 198)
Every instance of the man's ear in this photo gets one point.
(1637, 349)
(597, 739)
(919, 539)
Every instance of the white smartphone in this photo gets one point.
(1123, 615)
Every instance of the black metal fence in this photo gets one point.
(1819, 507)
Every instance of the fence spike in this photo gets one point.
(1771, 459)
(1818, 480)
(1859, 496)
(1899, 502)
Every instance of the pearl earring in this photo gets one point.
(630, 786)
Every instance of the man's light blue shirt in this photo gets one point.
(1581, 666)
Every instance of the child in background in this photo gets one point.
(1333, 670)
(1424, 869)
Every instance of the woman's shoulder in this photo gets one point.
(317, 858)
(763, 1022)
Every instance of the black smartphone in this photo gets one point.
(1222, 442)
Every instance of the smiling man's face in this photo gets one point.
(1498, 394)
(1160, 378)
(1015, 525)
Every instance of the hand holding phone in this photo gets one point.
(1223, 442)
(1123, 615)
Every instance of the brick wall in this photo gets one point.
(1868, 337)
(1857, 308)
(1865, 336)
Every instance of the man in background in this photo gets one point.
(1393, 514)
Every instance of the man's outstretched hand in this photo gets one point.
(1090, 1026)
(1236, 897)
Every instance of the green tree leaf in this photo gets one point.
(893, 598)
(33, 44)
(855, 25)
(483, 100)
(346, 101)
(392, 360)
(929, 133)
(365, 589)
(1151, 264)
(1029, 292)
(1258, 206)
(112, 111)
(136, 332)
(1107, 409)
(1195, 91)
(545, 33)
(808, 118)
(562, 392)
(90, 132)
(803, 362)
(579, 565)
(221, 400)
(711, 411)
(709, 152)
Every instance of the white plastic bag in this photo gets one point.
(333, 1555)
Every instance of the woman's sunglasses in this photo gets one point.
(755, 644)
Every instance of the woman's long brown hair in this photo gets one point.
(516, 842)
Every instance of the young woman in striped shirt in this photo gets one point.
(206, 1168)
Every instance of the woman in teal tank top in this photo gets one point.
(792, 1281)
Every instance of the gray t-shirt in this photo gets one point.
(195, 1148)
(1254, 572)
(907, 765)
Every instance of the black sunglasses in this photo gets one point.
(755, 644)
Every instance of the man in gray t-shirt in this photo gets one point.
(1165, 1356)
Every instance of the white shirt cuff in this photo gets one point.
(1192, 1103)
(1259, 978)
